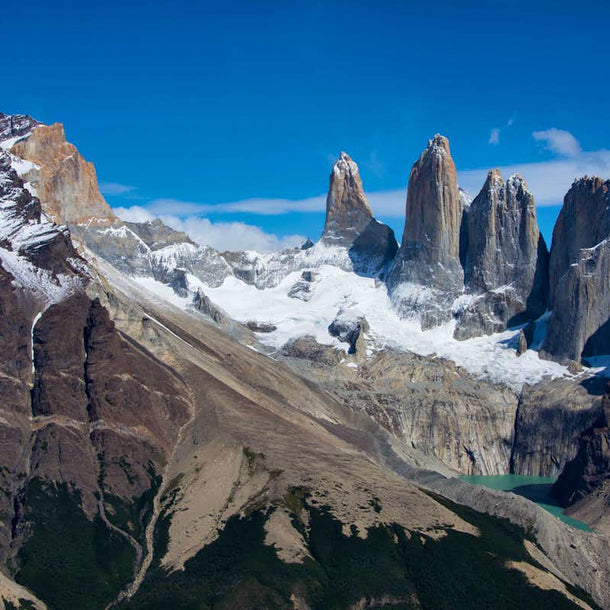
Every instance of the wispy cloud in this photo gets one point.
(115, 188)
(257, 205)
(559, 141)
(549, 181)
(219, 235)
(494, 136)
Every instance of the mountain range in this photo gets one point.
(200, 429)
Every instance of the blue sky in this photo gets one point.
(189, 110)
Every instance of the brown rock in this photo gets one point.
(65, 183)
(429, 255)
(350, 222)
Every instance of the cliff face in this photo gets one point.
(584, 221)
(580, 274)
(584, 483)
(505, 259)
(427, 275)
(65, 183)
(550, 418)
(431, 405)
(350, 222)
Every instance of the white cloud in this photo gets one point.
(259, 205)
(219, 235)
(559, 141)
(115, 188)
(494, 136)
(549, 181)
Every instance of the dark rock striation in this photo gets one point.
(16, 126)
(505, 261)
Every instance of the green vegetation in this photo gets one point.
(68, 560)
(133, 515)
(411, 570)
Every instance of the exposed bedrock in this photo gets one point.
(584, 483)
(427, 275)
(350, 222)
(65, 183)
(551, 417)
(505, 259)
(580, 274)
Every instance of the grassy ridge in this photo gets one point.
(407, 570)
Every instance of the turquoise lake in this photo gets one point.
(536, 489)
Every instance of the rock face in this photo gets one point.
(350, 327)
(204, 305)
(550, 418)
(580, 274)
(65, 183)
(350, 222)
(432, 406)
(584, 221)
(427, 275)
(585, 481)
(506, 259)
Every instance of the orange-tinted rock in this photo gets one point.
(65, 183)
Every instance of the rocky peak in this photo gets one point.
(429, 255)
(506, 259)
(28, 241)
(580, 273)
(433, 211)
(65, 183)
(347, 209)
(584, 221)
(350, 222)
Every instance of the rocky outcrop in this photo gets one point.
(506, 259)
(303, 288)
(432, 405)
(550, 419)
(580, 274)
(204, 305)
(65, 183)
(15, 126)
(350, 327)
(307, 348)
(350, 222)
(427, 275)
